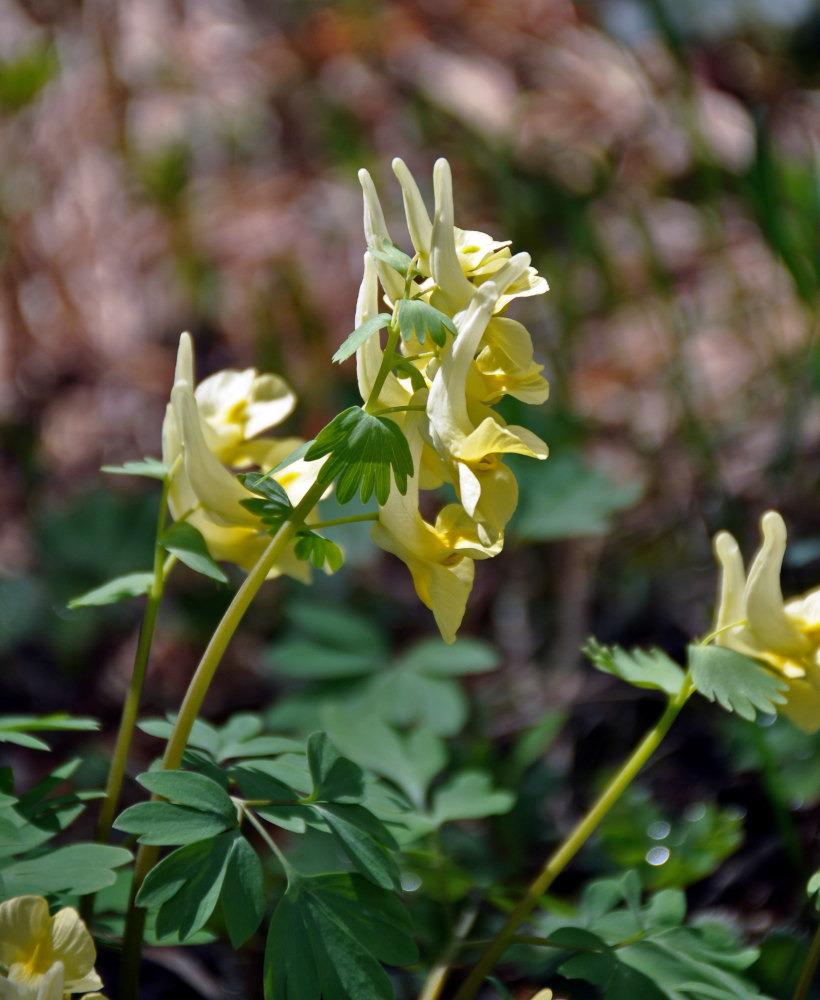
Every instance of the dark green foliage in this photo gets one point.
(328, 936)
(737, 683)
(204, 809)
(25, 74)
(633, 949)
(363, 449)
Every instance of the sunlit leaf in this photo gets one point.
(361, 334)
(642, 668)
(737, 683)
(118, 589)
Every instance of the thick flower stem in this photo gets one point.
(570, 846)
(189, 710)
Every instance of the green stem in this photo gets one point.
(318, 525)
(130, 708)
(437, 976)
(388, 361)
(263, 833)
(197, 689)
(570, 846)
(809, 968)
(399, 409)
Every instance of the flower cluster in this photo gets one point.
(753, 619)
(44, 957)
(444, 404)
(210, 432)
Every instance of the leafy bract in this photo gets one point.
(327, 937)
(275, 505)
(320, 551)
(150, 467)
(417, 318)
(737, 683)
(361, 334)
(363, 449)
(391, 255)
(642, 668)
(187, 544)
(118, 589)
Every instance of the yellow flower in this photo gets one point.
(208, 432)
(44, 957)
(468, 436)
(439, 556)
(753, 619)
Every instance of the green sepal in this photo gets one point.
(417, 318)
(114, 591)
(737, 683)
(187, 544)
(361, 334)
(152, 468)
(641, 668)
(363, 449)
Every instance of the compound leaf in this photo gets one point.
(361, 334)
(187, 544)
(642, 668)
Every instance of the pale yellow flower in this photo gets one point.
(753, 619)
(470, 438)
(439, 556)
(209, 436)
(44, 957)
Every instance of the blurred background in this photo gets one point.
(170, 165)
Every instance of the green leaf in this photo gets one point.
(190, 789)
(411, 760)
(469, 795)
(363, 449)
(417, 318)
(187, 544)
(737, 683)
(334, 777)
(360, 335)
(391, 255)
(164, 823)
(76, 869)
(275, 506)
(642, 668)
(118, 589)
(363, 838)
(564, 498)
(150, 467)
(186, 885)
(320, 551)
(435, 658)
(15, 728)
(327, 937)
(243, 892)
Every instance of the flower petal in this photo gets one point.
(418, 221)
(73, 945)
(24, 922)
(376, 232)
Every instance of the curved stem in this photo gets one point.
(570, 846)
(809, 968)
(197, 689)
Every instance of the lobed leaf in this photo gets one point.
(76, 869)
(190, 789)
(363, 838)
(363, 450)
(417, 318)
(243, 892)
(737, 683)
(164, 823)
